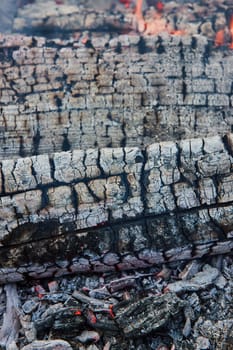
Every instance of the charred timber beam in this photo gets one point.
(57, 95)
(120, 208)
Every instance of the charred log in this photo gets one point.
(57, 94)
(175, 200)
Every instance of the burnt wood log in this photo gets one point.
(99, 167)
(133, 318)
(58, 95)
(148, 314)
(123, 208)
(46, 19)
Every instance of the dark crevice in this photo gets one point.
(118, 48)
(142, 47)
(144, 181)
(66, 146)
(194, 43)
(22, 152)
(34, 174)
(74, 199)
(55, 32)
(2, 180)
(183, 71)
(36, 142)
(93, 194)
(124, 138)
(52, 169)
(44, 198)
(228, 144)
(160, 47)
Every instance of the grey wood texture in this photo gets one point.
(116, 153)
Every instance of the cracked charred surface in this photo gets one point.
(99, 167)
(58, 94)
(115, 208)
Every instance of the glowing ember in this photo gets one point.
(156, 24)
(40, 291)
(159, 6)
(126, 3)
(91, 317)
(221, 35)
(78, 313)
(111, 313)
(220, 38)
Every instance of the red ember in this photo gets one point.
(40, 291)
(91, 317)
(78, 313)
(159, 6)
(220, 37)
(157, 24)
(126, 2)
(111, 313)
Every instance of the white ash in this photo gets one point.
(88, 320)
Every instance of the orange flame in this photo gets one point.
(219, 38)
(141, 24)
(155, 26)
(138, 9)
(157, 23)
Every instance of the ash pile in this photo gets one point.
(174, 306)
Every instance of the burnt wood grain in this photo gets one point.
(115, 208)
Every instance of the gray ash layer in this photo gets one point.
(140, 310)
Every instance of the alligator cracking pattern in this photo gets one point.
(175, 199)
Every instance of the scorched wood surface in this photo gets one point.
(58, 94)
(116, 153)
(171, 201)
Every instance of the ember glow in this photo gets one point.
(179, 19)
(220, 38)
(111, 313)
(222, 34)
(157, 24)
(159, 6)
(78, 313)
(126, 3)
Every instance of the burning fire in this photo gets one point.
(220, 38)
(156, 22)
